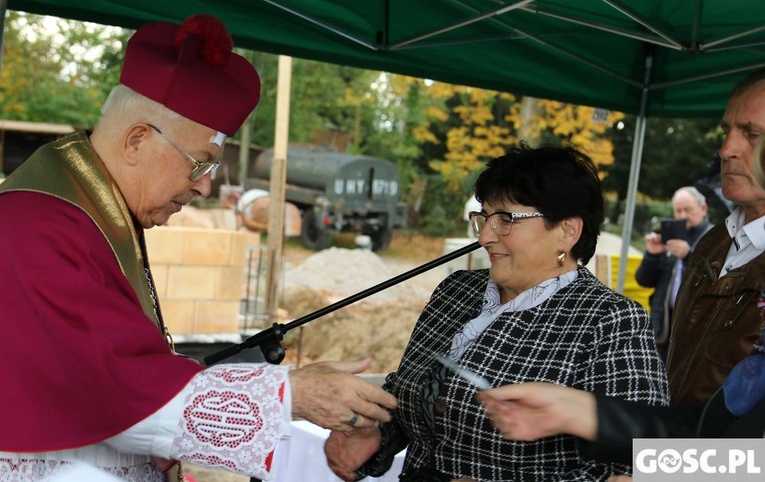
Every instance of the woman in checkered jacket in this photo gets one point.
(536, 315)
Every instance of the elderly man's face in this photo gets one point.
(165, 186)
(743, 124)
(685, 206)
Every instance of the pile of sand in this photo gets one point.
(379, 325)
(339, 272)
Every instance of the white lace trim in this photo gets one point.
(38, 470)
(98, 455)
(232, 418)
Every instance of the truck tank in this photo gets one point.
(339, 192)
(333, 172)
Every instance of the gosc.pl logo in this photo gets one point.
(689, 461)
(698, 459)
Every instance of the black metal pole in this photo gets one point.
(269, 339)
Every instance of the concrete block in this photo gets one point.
(229, 283)
(178, 315)
(240, 241)
(164, 244)
(191, 282)
(208, 247)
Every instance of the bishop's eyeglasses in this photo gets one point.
(201, 169)
(501, 222)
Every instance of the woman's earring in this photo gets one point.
(561, 258)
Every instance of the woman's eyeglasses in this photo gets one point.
(201, 169)
(501, 222)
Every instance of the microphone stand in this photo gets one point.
(269, 339)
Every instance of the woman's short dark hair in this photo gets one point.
(560, 182)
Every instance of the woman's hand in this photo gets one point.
(347, 451)
(530, 411)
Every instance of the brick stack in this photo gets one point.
(199, 276)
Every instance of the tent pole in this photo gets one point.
(277, 186)
(637, 156)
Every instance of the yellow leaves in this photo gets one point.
(480, 135)
(568, 120)
(477, 124)
(355, 97)
(506, 96)
(437, 114)
(452, 174)
(422, 134)
(400, 84)
(468, 149)
(474, 114)
(602, 152)
(439, 90)
(577, 126)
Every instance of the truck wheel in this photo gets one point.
(311, 235)
(381, 238)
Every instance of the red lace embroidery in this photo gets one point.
(233, 418)
(223, 418)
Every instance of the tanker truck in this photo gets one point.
(337, 192)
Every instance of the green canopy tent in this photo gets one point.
(673, 58)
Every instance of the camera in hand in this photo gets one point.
(672, 229)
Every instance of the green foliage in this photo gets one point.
(676, 153)
(442, 210)
(646, 215)
(436, 222)
(390, 131)
(44, 77)
(322, 96)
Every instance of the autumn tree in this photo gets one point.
(463, 127)
(458, 128)
(44, 78)
(582, 126)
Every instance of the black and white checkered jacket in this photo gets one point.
(586, 336)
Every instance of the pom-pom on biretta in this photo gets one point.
(190, 68)
(215, 44)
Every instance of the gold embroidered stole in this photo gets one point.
(70, 169)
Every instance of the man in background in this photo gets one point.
(663, 261)
(716, 321)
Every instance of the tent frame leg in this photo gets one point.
(637, 156)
